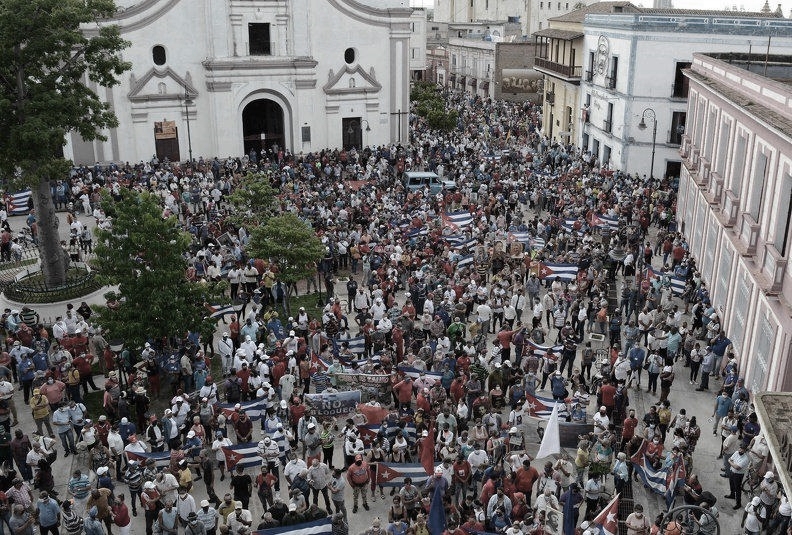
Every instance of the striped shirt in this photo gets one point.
(80, 487)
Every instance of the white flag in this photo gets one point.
(551, 440)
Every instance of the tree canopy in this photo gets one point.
(291, 244)
(253, 201)
(145, 255)
(46, 59)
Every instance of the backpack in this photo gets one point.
(232, 391)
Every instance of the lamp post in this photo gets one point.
(187, 102)
(650, 114)
(117, 346)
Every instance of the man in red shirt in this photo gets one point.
(525, 478)
(404, 390)
(358, 477)
(608, 395)
(461, 478)
(505, 336)
(628, 429)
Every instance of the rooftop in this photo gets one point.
(579, 15)
(694, 21)
(774, 66)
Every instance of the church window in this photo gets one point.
(259, 35)
(158, 55)
(349, 56)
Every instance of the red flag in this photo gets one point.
(374, 415)
(426, 448)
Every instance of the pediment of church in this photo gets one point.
(161, 84)
(351, 80)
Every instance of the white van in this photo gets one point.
(415, 180)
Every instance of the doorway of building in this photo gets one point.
(262, 126)
(166, 141)
(352, 133)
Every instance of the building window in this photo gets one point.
(158, 55)
(590, 71)
(608, 125)
(723, 148)
(606, 155)
(595, 144)
(541, 5)
(349, 56)
(614, 71)
(540, 24)
(584, 142)
(678, 119)
(259, 35)
(758, 186)
(738, 165)
(783, 215)
(681, 82)
(567, 6)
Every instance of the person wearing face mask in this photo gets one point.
(358, 477)
(54, 391)
(48, 513)
(637, 523)
(41, 411)
(194, 527)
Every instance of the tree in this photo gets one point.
(144, 255)
(291, 244)
(44, 59)
(252, 201)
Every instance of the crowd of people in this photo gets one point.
(461, 314)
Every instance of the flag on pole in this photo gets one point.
(218, 311)
(608, 519)
(551, 440)
(665, 480)
(437, 517)
(393, 474)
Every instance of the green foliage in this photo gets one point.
(144, 255)
(253, 201)
(44, 57)
(290, 243)
(429, 104)
(48, 48)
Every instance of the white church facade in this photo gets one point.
(222, 77)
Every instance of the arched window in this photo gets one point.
(349, 56)
(158, 55)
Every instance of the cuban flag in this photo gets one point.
(522, 237)
(541, 351)
(317, 364)
(538, 244)
(465, 261)
(161, 458)
(218, 311)
(17, 203)
(602, 220)
(664, 481)
(414, 373)
(676, 283)
(467, 244)
(551, 270)
(356, 345)
(245, 455)
(457, 220)
(541, 407)
(608, 519)
(393, 474)
(369, 432)
(255, 409)
(573, 226)
(316, 527)
(415, 232)
(455, 240)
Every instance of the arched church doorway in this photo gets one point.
(262, 126)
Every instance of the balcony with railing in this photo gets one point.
(570, 73)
